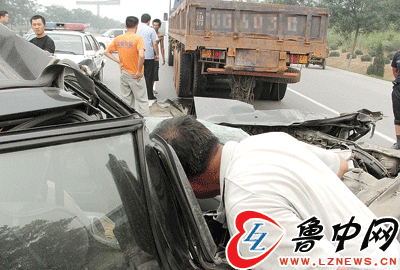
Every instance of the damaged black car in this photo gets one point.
(83, 186)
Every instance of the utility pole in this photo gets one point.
(99, 3)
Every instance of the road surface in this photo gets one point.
(331, 91)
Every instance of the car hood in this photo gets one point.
(20, 59)
(101, 38)
(73, 57)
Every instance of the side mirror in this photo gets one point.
(165, 16)
(112, 36)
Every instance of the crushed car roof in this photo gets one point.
(20, 59)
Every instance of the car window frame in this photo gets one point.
(70, 133)
(88, 45)
(92, 42)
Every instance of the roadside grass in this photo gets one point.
(367, 43)
(357, 65)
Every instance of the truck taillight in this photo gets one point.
(212, 54)
(297, 58)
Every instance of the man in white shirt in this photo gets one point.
(150, 39)
(288, 181)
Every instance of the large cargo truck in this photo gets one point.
(251, 44)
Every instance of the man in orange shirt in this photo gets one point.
(131, 49)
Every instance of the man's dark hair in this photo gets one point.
(3, 13)
(35, 17)
(145, 18)
(131, 21)
(191, 140)
(157, 21)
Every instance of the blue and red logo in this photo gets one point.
(253, 228)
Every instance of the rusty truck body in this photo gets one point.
(252, 44)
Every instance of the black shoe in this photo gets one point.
(152, 98)
(395, 146)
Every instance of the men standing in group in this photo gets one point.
(157, 26)
(151, 54)
(130, 49)
(396, 97)
(4, 17)
(43, 41)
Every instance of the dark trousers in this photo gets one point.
(396, 103)
(149, 65)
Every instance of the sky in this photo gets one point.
(156, 8)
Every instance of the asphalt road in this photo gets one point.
(331, 91)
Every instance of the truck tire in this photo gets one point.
(278, 91)
(262, 90)
(287, 80)
(323, 63)
(183, 70)
(170, 56)
(307, 64)
(199, 80)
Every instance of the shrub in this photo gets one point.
(366, 58)
(378, 66)
(387, 60)
(359, 52)
(372, 53)
(334, 47)
(334, 54)
(353, 56)
(344, 50)
(390, 55)
(392, 45)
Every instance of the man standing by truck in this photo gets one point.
(151, 53)
(157, 26)
(130, 49)
(396, 97)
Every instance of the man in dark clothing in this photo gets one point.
(396, 97)
(38, 24)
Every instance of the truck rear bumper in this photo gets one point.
(292, 76)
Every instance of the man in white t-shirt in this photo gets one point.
(290, 182)
(151, 55)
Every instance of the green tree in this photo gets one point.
(355, 17)
(20, 11)
(56, 13)
(378, 66)
(391, 11)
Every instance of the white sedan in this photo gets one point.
(80, 47)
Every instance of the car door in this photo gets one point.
(90, 55)
(98, 56)
(118, 32)
(74, 197)
(183, 234)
